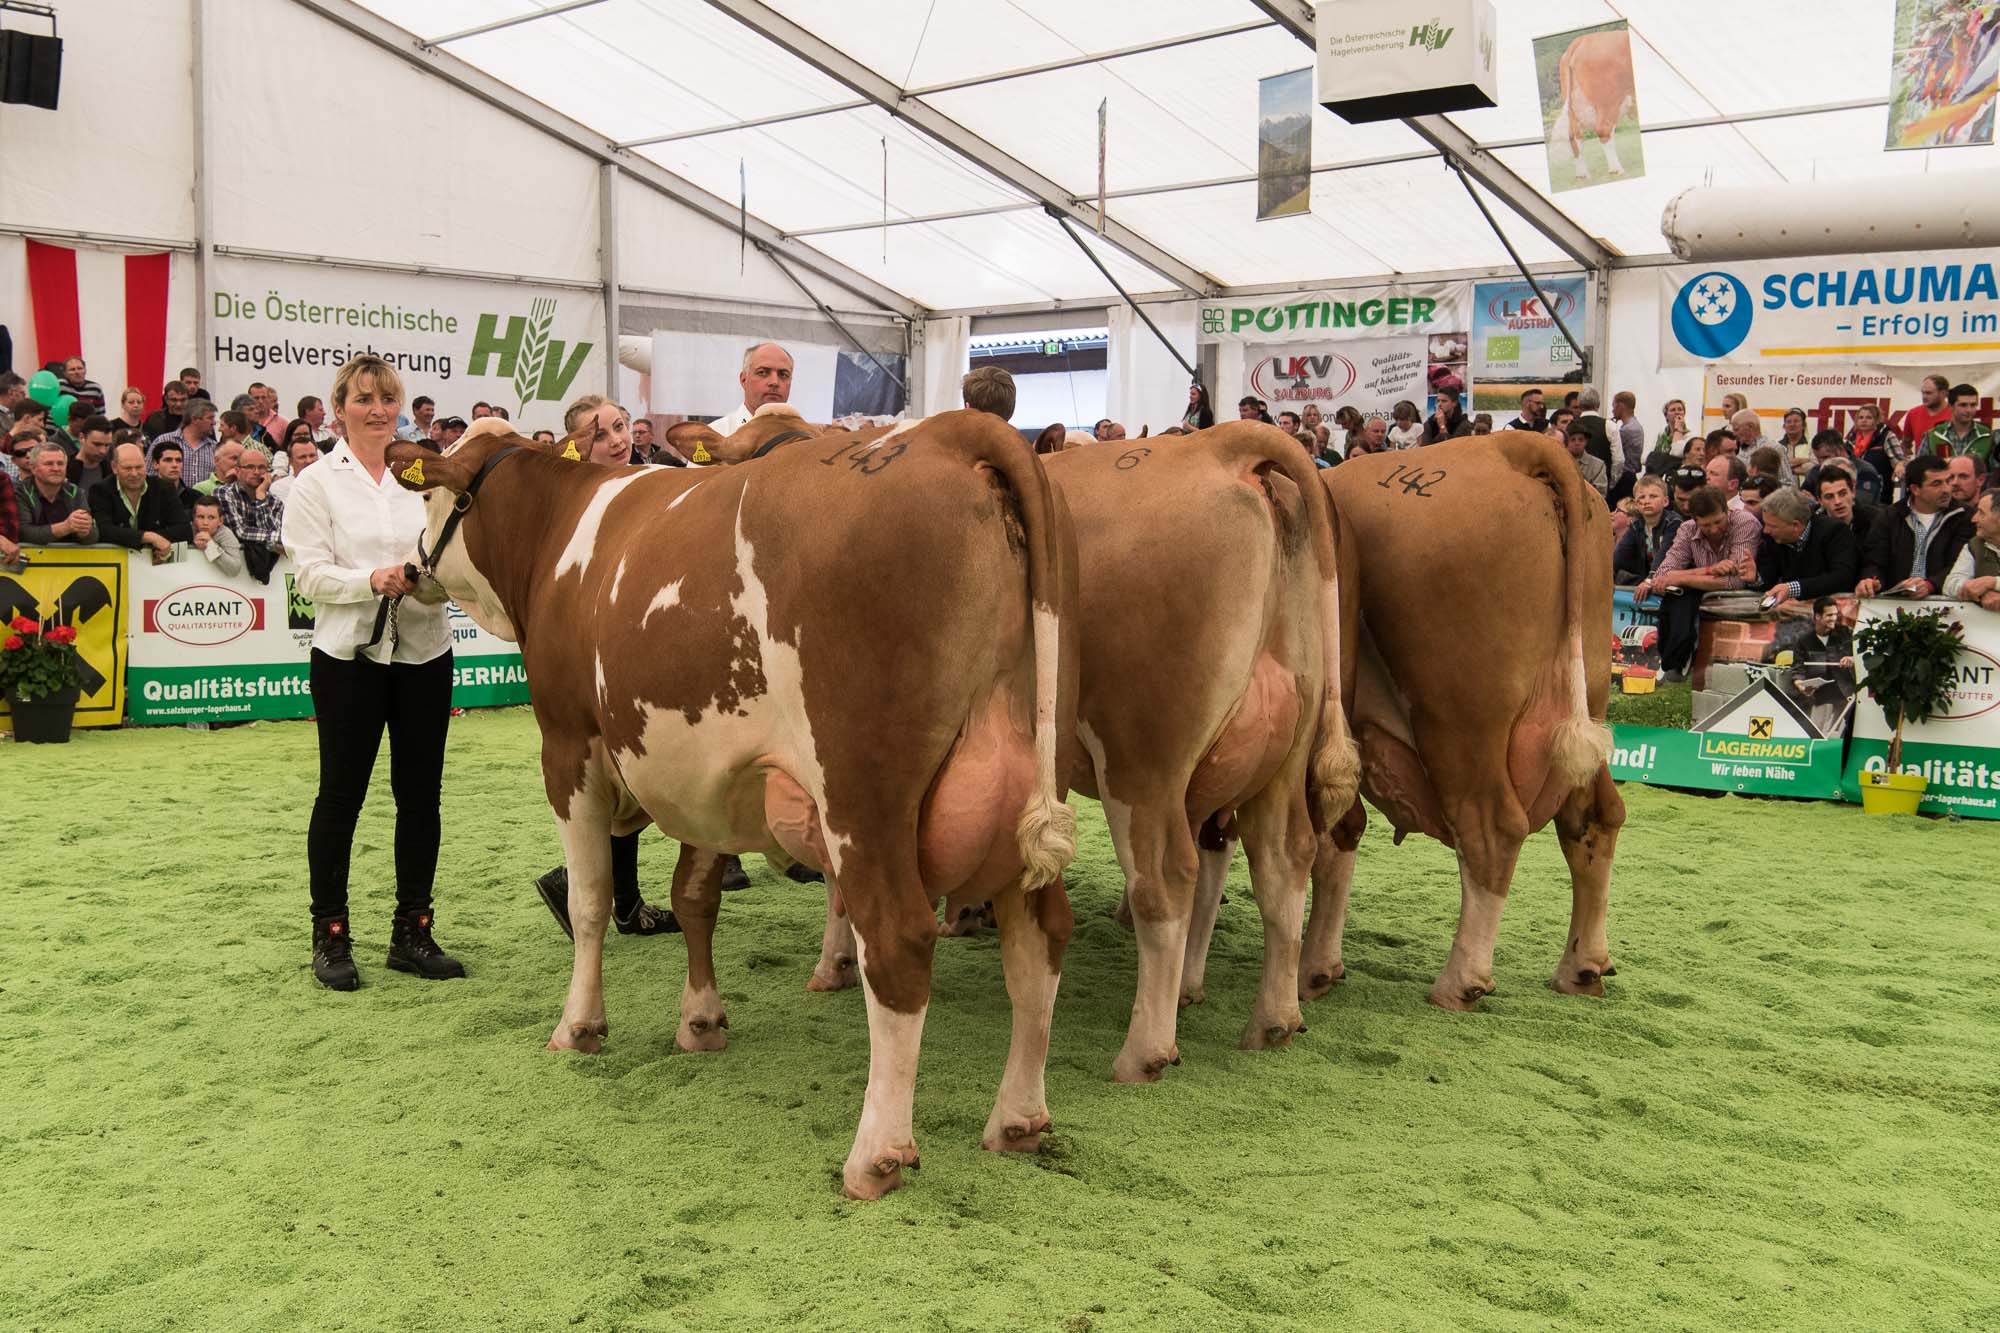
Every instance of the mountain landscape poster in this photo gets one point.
(1284, 144)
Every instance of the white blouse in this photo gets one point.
(340, 526)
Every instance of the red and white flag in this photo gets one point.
(107, 307)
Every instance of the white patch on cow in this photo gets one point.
(1617, 168)
(617, 577)
(689, 776)
(664, 600)
(675, 503)
(603, 692)
(900, 428)
(778, 410)
(583, 541)
(894, 1041)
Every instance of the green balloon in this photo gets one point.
(60, 412)
(43, 388)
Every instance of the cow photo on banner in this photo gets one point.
(1944, 69)
(83, 587)
(1284, 144)
(1590, 115)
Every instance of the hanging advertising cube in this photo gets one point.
(1389, 59)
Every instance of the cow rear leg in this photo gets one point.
(586, 838)
(895, 932)
(1159, 859)
(1278, 838)
(1320, 964)
(697, 893)
(835, 969)
(1489, 832)
(1588, 827)
(1034, 931)
(1607, 134)
(1210, 879)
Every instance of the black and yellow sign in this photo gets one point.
(1760, 729)
(82, 587)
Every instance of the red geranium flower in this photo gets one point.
(23, 625)
(61, 634)
(15, 641)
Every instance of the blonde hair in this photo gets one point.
(590, 402)
(387, 382)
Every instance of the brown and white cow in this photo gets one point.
(1482, 572)
(853, 659)
(1595, 76)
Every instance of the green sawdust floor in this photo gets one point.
(1785, 1114)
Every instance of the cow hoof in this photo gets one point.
(876, 1177)
(839, 977)
(1192, 995)
(1461, 997)
(1122, 914)
(586, 1037)
(1016, 1134)
(1572, 980)
(1263, 1036)
(703, 1034)
(1312, 985)
(1146, 1069)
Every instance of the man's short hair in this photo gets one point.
(258, 384)
(187, 371)
(251, 451)
(1738, 473)
(1247, 400)
(242, 401)
(161, 447)
(1707, 502)
(91, 426)
(989, 389)
(306, 440)
(42, 448)
(1835, 469)
(1768, 459)
(751, 351)
(1626, 399)
(1689, 479)
(1530, 393)
(1449, 391)
(487, 406)
(236, 421)
(306, 404)
(1959, 391)
(1587, 399)
(1751, 413)
(1101, 423)
(1788, 504)
(500, 412)
(1831, 438)
(1939, 382)
(197, 408)
(126, 435)
(1288, 413)
(1649, 482)
(1763, 486)
(1825, 603)
(1918, 469)
(9, 381)
(422, 400)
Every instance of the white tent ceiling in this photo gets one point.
(678, 79)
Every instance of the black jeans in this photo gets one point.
(353, 702)
(1680, 628)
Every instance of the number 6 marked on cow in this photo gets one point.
(1131, 458)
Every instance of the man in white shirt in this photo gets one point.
(766, 378)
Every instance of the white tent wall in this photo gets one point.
(1145, 385)
(664, 247)
(100, 291)
(117, 156)
(375, 159)
(1634, 360)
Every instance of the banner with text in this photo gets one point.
(212, 647)
(1714, 761)
(83, 587)
(1371, 376)
(527, 349)
(1929, 308)
(1957, 752)
(1828, 394)
(1356, 312)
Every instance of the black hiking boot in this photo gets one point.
(333, 955)
(733, 875)
(411, 948)
(647, 919)
(554, 888)
(798, 872)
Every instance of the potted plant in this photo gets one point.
(1912, 662)
(39, 676)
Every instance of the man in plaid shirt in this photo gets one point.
(249, 510)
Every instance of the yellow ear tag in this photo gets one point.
(701, 453)
(569, 451)
(414, 473)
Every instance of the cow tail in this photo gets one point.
(1581, 743)
(1333, 776)
(1046, 832)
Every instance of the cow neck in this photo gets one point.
(517, 516)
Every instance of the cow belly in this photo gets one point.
(1253, 743)
(793, 819)
(1395, 782)
(965, 835)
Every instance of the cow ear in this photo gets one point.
(1143, 431)
(416, 468)
(693, 441)
(1050, 441)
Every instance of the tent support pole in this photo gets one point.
(1124, 295)
(832, 318)
(607, 262)
(1581, 350)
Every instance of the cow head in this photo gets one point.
(442, 478)
(700, 444)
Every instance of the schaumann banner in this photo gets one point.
(1931, 308)
(211, 647)
(525, 348)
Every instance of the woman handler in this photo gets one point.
(378, 662)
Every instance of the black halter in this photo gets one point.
(786, 438)
(385, 611)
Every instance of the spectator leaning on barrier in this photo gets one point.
(53, 508)
(256, 516)
(212, 541)
(1914, 542)
(1715, 551)
(1803, 554)
(137, 511)
(1975, 573)
(1961, 434)
(1649, 536)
